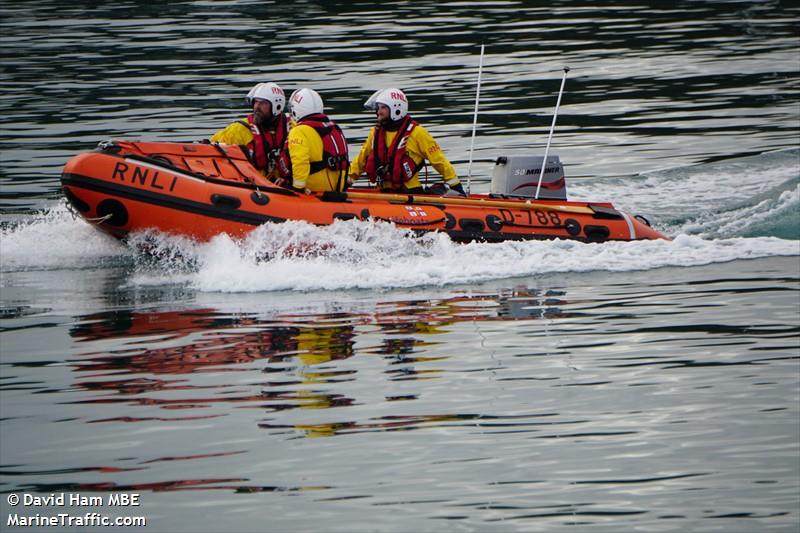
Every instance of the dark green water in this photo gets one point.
(400, 385)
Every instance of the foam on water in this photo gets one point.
(743, 196)
(337, 259)
(773, 215)
(53, 239)
(363, 255)
(711, 220)
(349, 255)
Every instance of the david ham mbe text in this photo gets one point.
(73, 500)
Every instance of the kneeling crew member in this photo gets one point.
(397, 146)
(264, 132)
(317, 158)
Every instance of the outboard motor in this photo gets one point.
(518, 176)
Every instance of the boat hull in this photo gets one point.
(200, 191)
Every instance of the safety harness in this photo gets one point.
(266, 146)
(335, 154)
(392, 164)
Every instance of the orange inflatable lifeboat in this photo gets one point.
(202, 190)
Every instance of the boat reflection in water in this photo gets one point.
(149, 358)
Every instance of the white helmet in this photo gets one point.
(270, 92)
(305, 102)
(393, 98)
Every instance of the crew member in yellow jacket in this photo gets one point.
(317, 157)
(264, 132)
(397, 146)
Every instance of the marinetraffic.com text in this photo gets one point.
(70, 510)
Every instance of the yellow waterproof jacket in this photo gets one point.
(305, 146)
(234, 133)
(420, 146)
(239, 133)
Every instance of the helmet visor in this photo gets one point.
(372, 102)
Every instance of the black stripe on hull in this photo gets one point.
(166, 201)
(495, 237)
(254, 219)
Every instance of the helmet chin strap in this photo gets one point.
(391, 125)
(264, 122)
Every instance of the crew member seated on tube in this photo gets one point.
(263, 132)
(396, 149)
(316, 158)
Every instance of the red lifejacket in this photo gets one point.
(266, 146)
(335, 155)
(392, 164)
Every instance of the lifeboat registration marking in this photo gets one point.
(544, 218)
